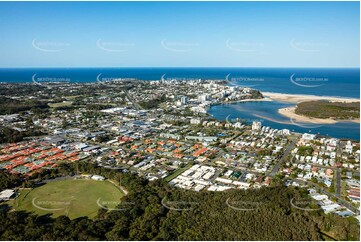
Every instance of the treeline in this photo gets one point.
(26, 89)
(75, 106)
(256, 94)
(305, 150)
(150, 214)
(20, 89)
(8, 135)
(326, 109)
(10, 106)
(8, 180)
(154, 103)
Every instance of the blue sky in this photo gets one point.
(179, 34)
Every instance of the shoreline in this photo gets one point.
(297, 98)
(264, 99)
(290, 113)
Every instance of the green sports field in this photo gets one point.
(74, 198)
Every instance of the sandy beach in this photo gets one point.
(290, 113)
(297, 98)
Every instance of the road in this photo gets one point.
(326, 167)
(244, 174)
(285, 154)
(218, 172)
(339, 148)
(338, 171)
(337, 174)
(338, 182)
(134, 103)
(339, 200)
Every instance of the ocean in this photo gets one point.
(338, 82)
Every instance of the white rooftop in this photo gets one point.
(6, 194)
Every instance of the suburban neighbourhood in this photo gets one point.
(161, 130)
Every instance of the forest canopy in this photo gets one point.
(326, 109)
(157, 211)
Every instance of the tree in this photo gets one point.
(207, 215)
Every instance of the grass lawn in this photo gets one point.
(72, 97)
(177, 173)
(74, 198)
(61, 104)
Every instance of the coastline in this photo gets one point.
(297, 98)
(264, 99)
(290, 113)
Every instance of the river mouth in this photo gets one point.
(267, 113)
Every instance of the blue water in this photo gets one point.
(267, 113)
(315, 81)
(340, 82)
